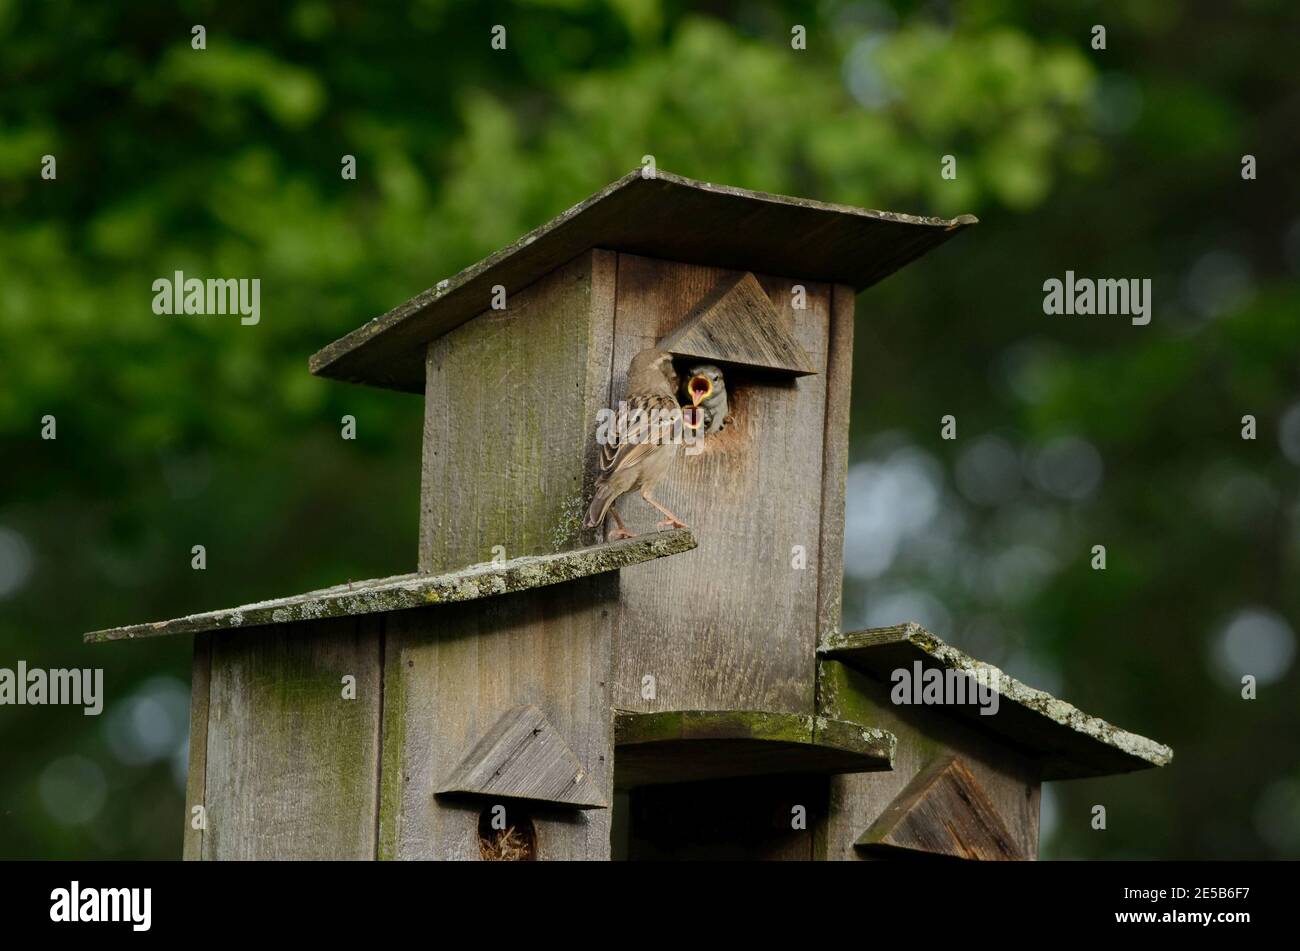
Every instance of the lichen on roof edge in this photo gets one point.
(1127, 750)
(661, 215)
(401, 592)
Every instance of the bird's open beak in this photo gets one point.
(700, 389)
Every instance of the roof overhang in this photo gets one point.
(664, 216)
(421, 590)
(1063, 741)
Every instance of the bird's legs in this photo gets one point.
(672, 521)
(620, 532)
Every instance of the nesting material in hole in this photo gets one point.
(517, 842)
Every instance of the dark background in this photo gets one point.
(1123, 162)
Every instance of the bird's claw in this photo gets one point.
(618, 534)
(671, 523)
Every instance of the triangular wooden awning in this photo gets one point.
(736, 324)
(524, 757)
(943, 811)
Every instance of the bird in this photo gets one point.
(637, 454)
(706, 389)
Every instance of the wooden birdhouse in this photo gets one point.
(531, 692)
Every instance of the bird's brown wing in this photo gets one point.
(650, 423)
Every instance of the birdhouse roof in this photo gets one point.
(421, 590)
(1065, 742)
(663, 216)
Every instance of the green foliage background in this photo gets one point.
(177, 431)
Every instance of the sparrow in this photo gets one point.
(707, 391)
(638, 454)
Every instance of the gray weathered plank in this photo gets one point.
(735, 324)
(680, 746)
(835, 460)
(291, 764)
(944, 811)
(523, 756)
(667, 217)
(1061, 739)
(404, 592)
(196, 777)
(509, 415)
(733, 624)
(449, 676)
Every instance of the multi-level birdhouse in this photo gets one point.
(533, 692)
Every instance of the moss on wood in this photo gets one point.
(420, 590)
(1066, 742)
(692, 745)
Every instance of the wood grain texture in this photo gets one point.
(291, 764)
(1061, 740)
(668, 217)
(924, 736)
(735, 325)
(731, 625)
(449, 676)
(523, 756)
(835, 460)
(196, 778)
(451, 673)
(686, 746)
(943, 811)
(403, 592)
(510, 409)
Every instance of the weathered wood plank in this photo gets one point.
(509, 416)
(292, 763)
(682, 746)
(196, 778)
(735, 325)
(944, 811)
(450, 674)
(1061, 739)
(404, 592)
(600, 365)
(667, 216)
(523, 756)
(835, 460)
(923, 736)
(733, 624)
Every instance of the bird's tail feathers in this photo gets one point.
(599, 507)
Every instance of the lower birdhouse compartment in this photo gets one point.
(730, 784)
(767, 818)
